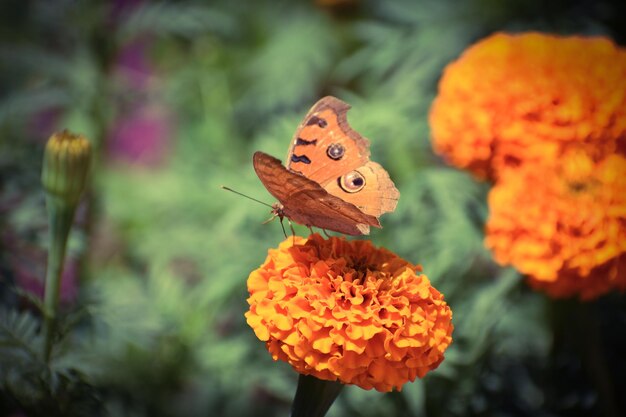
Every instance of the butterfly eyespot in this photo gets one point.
(335, 151)
(352, 182)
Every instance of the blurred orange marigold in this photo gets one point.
(564, 225)
(348, 311)
(510, 99)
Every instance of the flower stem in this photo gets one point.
(594, 358)
(60, 217)
(314, 396)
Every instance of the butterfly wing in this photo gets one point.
(306, 202)
(378, 194)
(328, 151)
(324, 146)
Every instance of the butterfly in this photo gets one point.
(329, 181)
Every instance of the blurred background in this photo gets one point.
(175, 97)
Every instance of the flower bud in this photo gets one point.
(65, 166)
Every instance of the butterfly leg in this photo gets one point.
(325, 232)
(269, 220)
(283, 227)
(310, 229)
(293, 232)
(281, 223)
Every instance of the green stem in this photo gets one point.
(60, 217)
(594, 358)
(314, 396)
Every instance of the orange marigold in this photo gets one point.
(348, 311)
(515, 98)
(563, 225)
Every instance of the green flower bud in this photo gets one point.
(65, 166)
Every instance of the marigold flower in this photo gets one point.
(564, 225)
(348, 311)
(515, 98)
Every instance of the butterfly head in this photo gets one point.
(278, 211)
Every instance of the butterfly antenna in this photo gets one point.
(246, 196)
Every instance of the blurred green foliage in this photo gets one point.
(162, 254)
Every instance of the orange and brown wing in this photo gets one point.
(375, 196)
(306, 202)
(324, 146)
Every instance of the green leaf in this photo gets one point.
(19, 342)
(187, 20)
